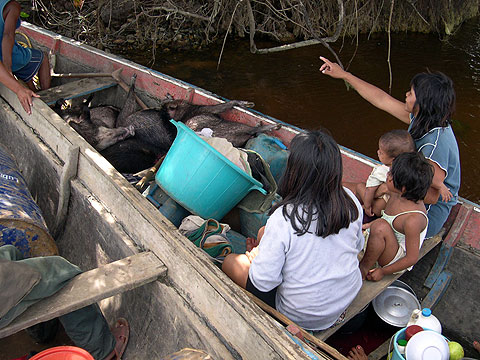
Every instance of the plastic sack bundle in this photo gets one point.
(209, 235)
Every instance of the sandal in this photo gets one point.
(121, 332)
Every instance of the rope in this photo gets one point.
(28, 43)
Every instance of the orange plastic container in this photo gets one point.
(63, 353)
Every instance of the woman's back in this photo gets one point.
(317, 277)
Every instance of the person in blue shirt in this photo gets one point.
(428, 107)
(22, 62)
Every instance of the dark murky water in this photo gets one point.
(288, 86)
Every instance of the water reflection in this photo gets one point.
(289, 86)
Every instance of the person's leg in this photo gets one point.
(382, 246)
(44, 75)
(236, 266)
(357, 353)
(356, 188)
(10, 252)
(55, 272)
(89, 330)
(86, 327)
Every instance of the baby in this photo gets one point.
(372, 194)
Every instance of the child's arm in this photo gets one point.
(412, 226)
(11, 13)
(434, 191)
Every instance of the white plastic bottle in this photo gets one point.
(425, 319)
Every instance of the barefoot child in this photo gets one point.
(306, 263)
(371, 194)
(395, 239)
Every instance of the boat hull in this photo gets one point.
(98, 217)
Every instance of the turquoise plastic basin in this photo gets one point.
(201, 179)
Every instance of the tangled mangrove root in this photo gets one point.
(150, 24)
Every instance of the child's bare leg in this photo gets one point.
(382, 246)
(358, 189)
(31, 85)
(44, 74)
(236, 267)
(350, 185)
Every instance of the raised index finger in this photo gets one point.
(325, 60)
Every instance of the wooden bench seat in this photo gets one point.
(76, 88)
(91, 287)
(371, 289)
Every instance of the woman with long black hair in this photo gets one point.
(306, 263)
(428, 107)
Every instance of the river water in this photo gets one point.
(289, 87)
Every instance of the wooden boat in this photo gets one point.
(97, 217)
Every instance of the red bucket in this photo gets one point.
(63, 353)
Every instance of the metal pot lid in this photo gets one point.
(395, 305)
(403, 285)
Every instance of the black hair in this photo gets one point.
(311, 186)
(435, 101)
(412, 174)
(396, 142)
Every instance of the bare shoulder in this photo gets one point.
(12, 8)
(413, 222)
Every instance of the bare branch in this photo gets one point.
(226, 34)
(390, 45)
(323, 41)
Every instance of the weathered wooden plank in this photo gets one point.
(371, 289)
(457, 230)
(381, 351)
(91, 287)
(438, 289)
(76, 88)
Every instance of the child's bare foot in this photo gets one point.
(357, 353)
(476, 345)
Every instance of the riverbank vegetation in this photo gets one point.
(124, 25)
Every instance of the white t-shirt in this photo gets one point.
(317, 277)
(378, 176)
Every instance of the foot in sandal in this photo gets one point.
(121, 332)
(357, 353)
(476, 345)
